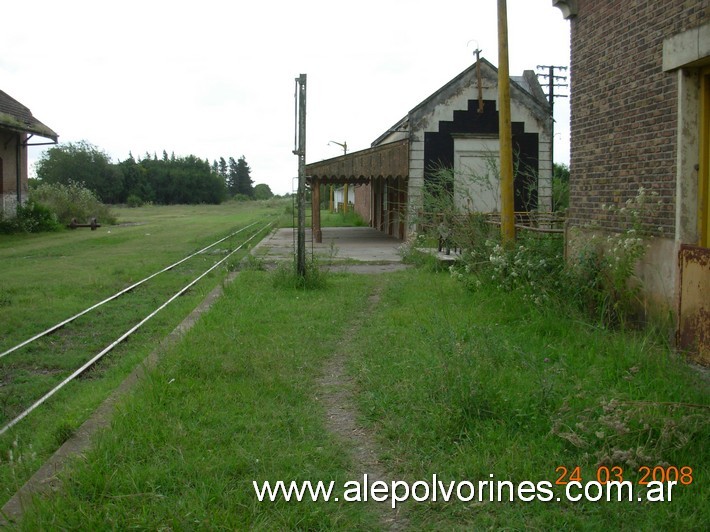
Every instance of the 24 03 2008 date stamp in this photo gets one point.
(680, 475)
(655, 483)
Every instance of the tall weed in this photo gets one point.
(72, 201)
(601, 279)
(32, 217)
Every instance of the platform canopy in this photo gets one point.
(388, 161)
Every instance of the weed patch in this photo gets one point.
(468, 384)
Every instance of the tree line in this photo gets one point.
(165, 180)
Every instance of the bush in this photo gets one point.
(560, 188)
(32, 217)
(134, 201)
(533, 266)
(601, 280)
(72, 201)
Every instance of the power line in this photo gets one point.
(551, 84)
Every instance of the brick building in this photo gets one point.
(17, 127)
(640, 103)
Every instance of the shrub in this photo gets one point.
(604, 272)
(601, 280)
(533, 266)
(72, 201)
(560, 188)
(32, 217)
(134, 201)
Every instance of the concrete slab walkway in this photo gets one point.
(352, 248)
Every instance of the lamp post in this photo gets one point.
(343, 145)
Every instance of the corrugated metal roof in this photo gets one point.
(17, 117)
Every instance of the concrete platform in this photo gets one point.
(349, 248)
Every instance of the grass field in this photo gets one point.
(455, 384)
(50, 277)
(459, 384)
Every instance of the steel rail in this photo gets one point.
(118, 294)
(125, 335)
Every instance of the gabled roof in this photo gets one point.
(526, 85)
(16, 117)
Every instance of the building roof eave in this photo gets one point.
(41, 131)
(16, 117)
(389, 160)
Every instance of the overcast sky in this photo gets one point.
(216, 78)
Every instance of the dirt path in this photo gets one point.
(337, 391)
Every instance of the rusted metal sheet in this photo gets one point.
(694, 303)
(388, 161)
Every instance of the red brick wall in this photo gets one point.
(362, 202)
(624, 106)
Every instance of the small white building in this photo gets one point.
(455, 128)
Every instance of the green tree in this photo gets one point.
(182, 180)
(82, 162)
(231, 177)
(223, 169)
(262, 191)
(560, 187)
(242, 176)
(135, 181)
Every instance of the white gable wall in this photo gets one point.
(443, 110)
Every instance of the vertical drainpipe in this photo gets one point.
(18, 171)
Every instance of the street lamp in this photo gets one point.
(343, 145)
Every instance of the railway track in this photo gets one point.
(86, 320)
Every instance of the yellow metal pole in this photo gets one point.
(507, 216)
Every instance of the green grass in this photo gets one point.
(466, 385)
(50, 277)
(233, 403)
(327, 219)
(341, 219)
(451, 382)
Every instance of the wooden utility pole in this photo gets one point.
(551, 95)
(507, 200)
(301, 194)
